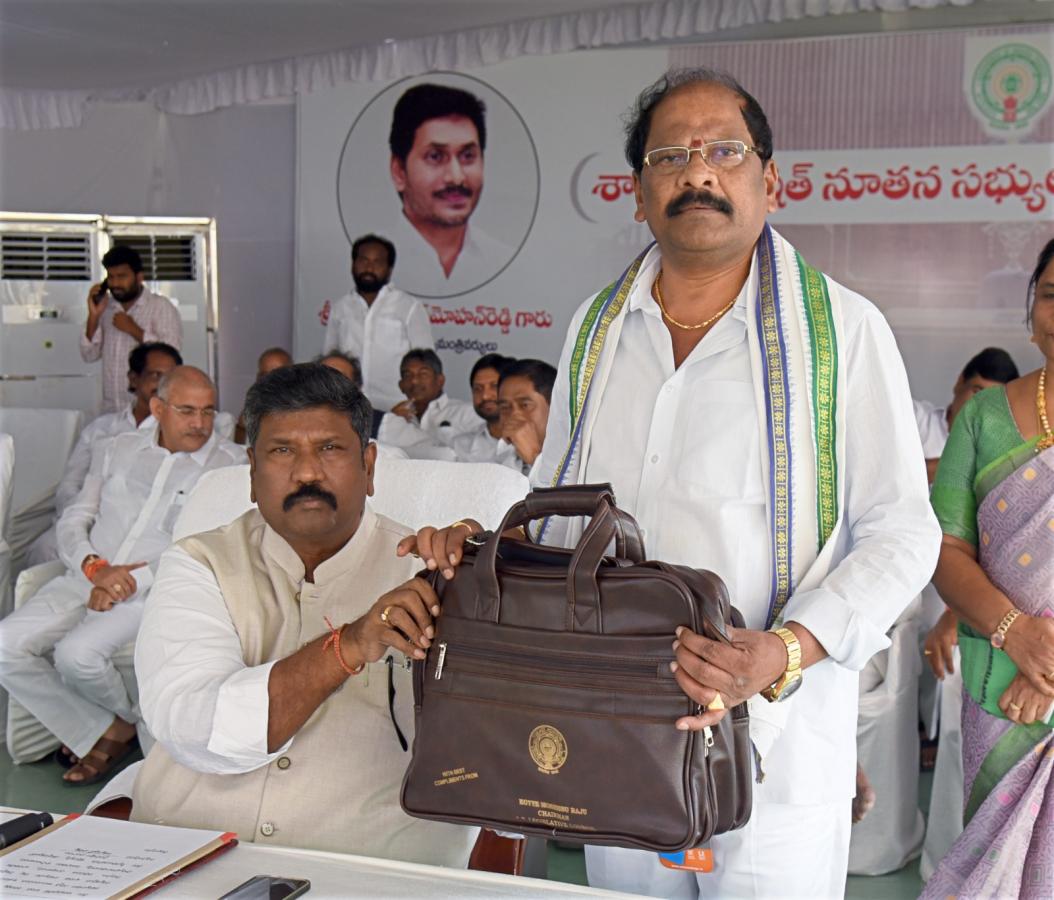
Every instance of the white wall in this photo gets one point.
(237, 165)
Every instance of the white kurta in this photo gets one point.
(378, 335)
(682, 449)
(159, 319)
(124, 513)
(933, 427)
(92, 441)
(479, 445)
(98, 429)
(433, 434)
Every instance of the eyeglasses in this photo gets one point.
(186, 412)
(716, 154)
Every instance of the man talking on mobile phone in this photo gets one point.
(122, 314)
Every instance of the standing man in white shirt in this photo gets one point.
(110, 539)
(428, 421)
(377, 323)
(115, 326)
(754, 416)
(147, 365)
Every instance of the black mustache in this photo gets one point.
(454, 190)
(698, 198)
(308, 492)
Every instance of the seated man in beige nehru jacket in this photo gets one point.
(270, 647)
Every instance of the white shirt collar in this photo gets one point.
(345, 560)
(640, 298)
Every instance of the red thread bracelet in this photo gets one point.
(334, 639)
(91, 568)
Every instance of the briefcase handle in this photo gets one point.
(607, 522)
(578, 500)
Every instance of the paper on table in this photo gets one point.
(95, 858)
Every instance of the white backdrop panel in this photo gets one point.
(910, 201)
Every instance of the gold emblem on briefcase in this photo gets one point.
(548, 749)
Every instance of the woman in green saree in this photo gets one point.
(994, 497)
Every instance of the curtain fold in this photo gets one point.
(470, 49)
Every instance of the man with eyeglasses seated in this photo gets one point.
(110, 539)
(147, 365)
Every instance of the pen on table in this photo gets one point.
(15, 830)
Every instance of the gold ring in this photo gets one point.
(1014, 706)
(716, 703)
(927, 653)
(119, 588)
(463, 524)
(385, 612)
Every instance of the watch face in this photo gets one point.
(998, 640)
(789, 688)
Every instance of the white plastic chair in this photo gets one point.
(888, 750)
(412, 492)
(419, 492)
(43, 439)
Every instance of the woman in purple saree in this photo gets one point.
(994, 497)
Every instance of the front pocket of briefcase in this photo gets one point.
(577, 745)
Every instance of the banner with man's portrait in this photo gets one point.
(916, 168)
(444, 167)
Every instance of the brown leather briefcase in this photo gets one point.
(546, 704)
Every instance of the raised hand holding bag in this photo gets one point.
(546, 704)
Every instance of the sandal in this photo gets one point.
(100, 761)
(65, 757)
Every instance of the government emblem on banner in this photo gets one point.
(1007, 81)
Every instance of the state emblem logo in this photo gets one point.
(1009, 88)
(548, 749)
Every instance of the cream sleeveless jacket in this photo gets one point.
(336, 788)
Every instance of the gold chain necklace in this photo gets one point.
(1046, 439)
(681, 325)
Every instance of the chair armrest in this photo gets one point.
(34, 578)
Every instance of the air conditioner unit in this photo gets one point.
(49, 262)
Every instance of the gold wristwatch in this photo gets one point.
(790, 681)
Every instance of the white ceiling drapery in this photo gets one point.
(626, 24)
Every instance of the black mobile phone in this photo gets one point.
(265, 887)
(101, 295)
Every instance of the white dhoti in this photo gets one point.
(785, 851)
(945, 820)
(77, 697)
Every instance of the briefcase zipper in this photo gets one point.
(575, 664)
(708, 739)
(441, 660)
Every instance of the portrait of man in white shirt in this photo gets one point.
(438, 139)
